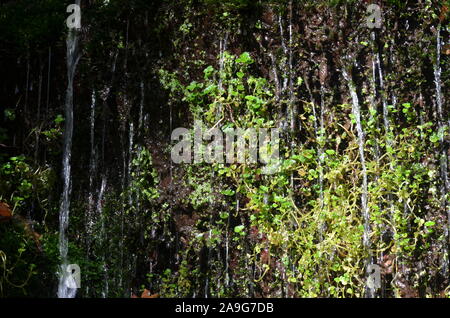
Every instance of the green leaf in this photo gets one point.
(238, 228)
(264, 189)
(228, 192)
(9, 114)
(59, 119)
(434, 138)
(192, 86)
(245, 58)
(208, 71)
(292, 279)
(224, 215)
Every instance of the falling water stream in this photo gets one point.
(380, 92)
(377, 68)
(356, 111)
(442, 124)
(73, 57)
(129, 181)
(320, 131)
(92, 171)
(222, 49)
(100, 201)
(89, 222)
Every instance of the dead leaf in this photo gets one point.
(147, 294)
(446, 49)
(5, 212)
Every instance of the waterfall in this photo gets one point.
(286, 53)
(27, 85)
(92, 170)
(89, 222)
(103, 234)
(48, 78)
(73, 57)
(293, 110)
(222, 49)
(292, 105)
(126, 187)
(141, 106)
(130, 158)
(377, 68)
(227, 254)
(442, 124)
(130, 178)
(275, 76)
(356, 111)
(320, 138)
(38, 115)
(126, 183)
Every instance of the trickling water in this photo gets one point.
(92, 170)
(38, 114)
(72, 59)
(130, 158)
(356, 111)
(48, 77)
(319, 131)
(103, 234)
(27, 85)
(275, 77)
(441, 119)
(373, 103)
(292, 105)
(141, 106)
(286, 53)
(129, 182)
(442, 124)
(377, 67)
(222, 49)
(321, 139)
(227, 255)
(126, 183)
(383, 95)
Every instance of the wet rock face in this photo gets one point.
(323, 72)
(301, 49)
